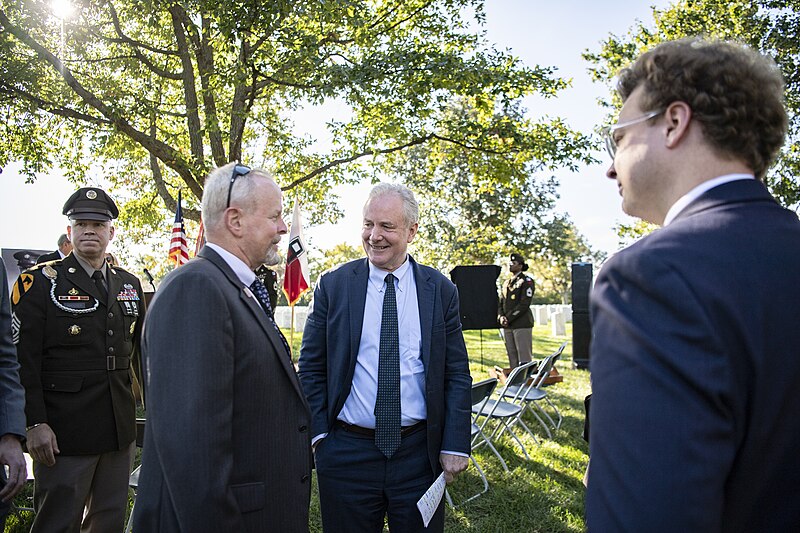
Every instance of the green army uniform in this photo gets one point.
(75, 353)
(77, 338)
(515, 305)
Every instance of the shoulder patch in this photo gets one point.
(23, 285)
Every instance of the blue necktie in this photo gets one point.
(387, 402)
(261, 293)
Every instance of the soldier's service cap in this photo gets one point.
(25, 259)
(519, 259)
(90, 203)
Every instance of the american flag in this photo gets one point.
(178, 251)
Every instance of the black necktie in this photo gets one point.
(101, 285)
(387, 402)
(261, 293)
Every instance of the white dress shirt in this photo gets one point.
(359, 407)
(695, 193)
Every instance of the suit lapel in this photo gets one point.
(426, 292)
(249, 301)
(357, 298)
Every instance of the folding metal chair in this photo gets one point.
(532, 393)
(505, 412)
(480, 395)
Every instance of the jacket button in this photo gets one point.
(304, 478)
(303, 429)
(110, 315)
(111, 350)
(111, 333)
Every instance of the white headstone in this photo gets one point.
(558, 326)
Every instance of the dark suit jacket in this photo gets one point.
(52, 256)
(12, 395)
(330, 346)
(227, 445)
(696, 371)
(66, 336)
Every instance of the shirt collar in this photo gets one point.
(238, 266)
(377, 276)
(89, 268)
(695, 193)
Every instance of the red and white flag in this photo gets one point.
(178, 250)
(296, 278)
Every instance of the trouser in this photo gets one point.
(359, 486)
(519, 345)
(82, 493)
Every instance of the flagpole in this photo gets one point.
(291, 330)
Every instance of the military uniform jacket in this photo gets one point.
(515, 301)
(75, 353)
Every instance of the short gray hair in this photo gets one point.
(410, 206)
(215, 191)
(63, 240)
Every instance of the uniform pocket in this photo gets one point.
(61, 383)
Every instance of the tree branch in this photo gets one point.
(164, 152)
(180, 21)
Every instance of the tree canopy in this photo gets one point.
(153, 94)
(770, 26)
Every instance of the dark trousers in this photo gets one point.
(359, 486)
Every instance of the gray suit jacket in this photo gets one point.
(227, 446)
(12, 395)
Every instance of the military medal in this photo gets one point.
(74, 329)
(73, 291)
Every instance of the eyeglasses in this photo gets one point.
(238, 170)
(611, 144)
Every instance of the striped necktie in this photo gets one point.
(261, 293)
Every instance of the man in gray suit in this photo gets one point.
(227, 443)
(12, 409)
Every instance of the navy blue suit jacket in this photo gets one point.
(330, 345)
(696, 372)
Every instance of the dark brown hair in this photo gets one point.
(735, 93)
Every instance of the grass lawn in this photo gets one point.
(544, 494)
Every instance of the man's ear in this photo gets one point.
(111, 232)
(678, 116)
(232, 219)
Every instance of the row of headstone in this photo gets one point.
(555, 315)
(283, 317)
(542, 313)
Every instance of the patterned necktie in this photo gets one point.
(387, 402)
(261, 293)
(97, 276)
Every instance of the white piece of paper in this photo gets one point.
(429, 502)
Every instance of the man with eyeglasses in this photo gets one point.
(227, 444)
(696, 346)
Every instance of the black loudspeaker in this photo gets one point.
(477, 295)
(581, 284)
(581, 339)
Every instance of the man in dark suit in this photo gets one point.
(696, 346)
(385, 370)
(514, 312)
(12, 409)
(78, 323)
(64, 248)
(227, 444)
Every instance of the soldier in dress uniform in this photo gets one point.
(77, 323)
(514, 312)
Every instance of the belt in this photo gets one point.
(368, 432)
(106, 363)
